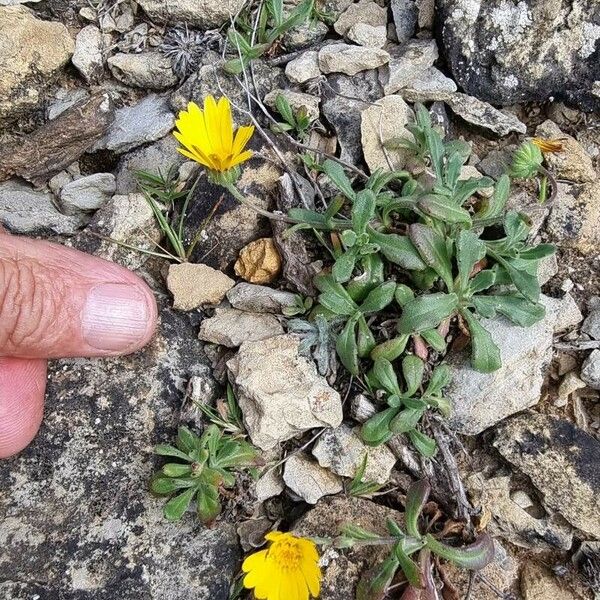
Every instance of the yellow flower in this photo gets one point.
(548, 146)
(287, 570)
(207, 135)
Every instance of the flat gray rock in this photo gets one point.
(87, 194)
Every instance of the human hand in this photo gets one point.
(58, 302)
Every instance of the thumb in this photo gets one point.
(59, 302)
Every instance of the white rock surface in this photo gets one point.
(343, 58)
(367, 35)
(205, 14)
(231, 327)
(280, 392)
(88, 56)
(260, 298)
(363, 11)
(269, 485)
(304, 68)
(297, 101)
(308, 480)
(87, 193)
(429, 85)
(590, 370)
(407, 63)
(148, 70)
(196, 285)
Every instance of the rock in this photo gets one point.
(260, 299)
(148, 70)
(590, 370)
(196, 285)
(58, 143)
(88, 57)
(367, 35)
(23, 210)
(31, 52)
(528, 204)
(303, 68)
(308, 480)
(297, 101)
(573, 222)
(430, 85)
(426, 10)
(407, 63)
(230, 327)
(381, 123)
(87, 193)
(65, 99)
(366, 12)
(480, 400)
(344, 113)
(204, 14)
(259, 261)
(560, 459)
(269, 485)
(405, 14)
(155, 157)
(280, 392)
(342, 451)
(512, 522)
(567, 314)
(591, 325)
(148, 120)
(117, 409)
(125, 218)
(305, 35)
(343, 58)
(568, 386)
(572, 162)
(539, 583)
(471, 172)
(342, 570)
(484, 115)
(496, 162)
(201, 391)
(507, 53)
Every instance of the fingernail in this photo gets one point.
(115, 317)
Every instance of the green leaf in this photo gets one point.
(406, 420)
(346, 346)
(399, 250)
(176, 470)
(537, 252)
(363, 210)
(516, 226)
(433, 250)
(358, 533)
(386, 376)
(476, 556)
(336, 173)
(373, 585)
(435, 146)
(176, 506)
(403, 294)
(416, 498)
(365, 341)
(465, 189)
(187, 440)
(409, 567)
(165, 486)
(518, 310)
(310, 217)
(482, 281)
(234, 453)
(469, 251)
(423, 443)
(444, 209)
(494, 206)
(434, 339)
(284, 109)
(485, 355)
(344, 266)
(412, 370)
(168, 450)
(390, 349)
(334, 297)
(209, 506)
(440, 378)
(378, 298)
(427, 312)
(376, 430)
(526, 283)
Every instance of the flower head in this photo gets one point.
(527, 160)
(287, 570)
(207, 136)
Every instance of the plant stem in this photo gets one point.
(543, 189)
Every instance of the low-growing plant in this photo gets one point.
(361, 487)
(207, 464)
(297, 123)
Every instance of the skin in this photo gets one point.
(57, 302)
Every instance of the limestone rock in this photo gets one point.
(407, 63)
(204, 14)
(539, 583)
(261, 299)
(298, 101)
(381, 123)
(484, 115)
(148, 120)
(87, 193)
(280, 392)
(405, 14)
(230, 327)
(430, 85)
(364, 11)
(269, 485)
(367, 35)
(509, 52)
(195, 285)
(88, 57)
(148, 70)
(303, 68)
(480, 400)
(31, 52)
(560, 459)
(308, 480)
(591, 325)
(342, 451)
(24, 210)
(343, 58)
(572, 162)
(259, 261)
(590, 370)
(575, 217)
(343, 569)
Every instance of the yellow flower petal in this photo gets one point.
(242, 137)
(312, 576)
(226, 123)
(272, 536)
(240, 158)
(254, 561)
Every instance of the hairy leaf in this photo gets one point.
(485, 355)
(176, 506)
(476, 556)
(433, 250)
(346, 347)
(416, 498)
(336, 173)
(427, 312)
(444, 209)
(399, 249)
(469, 250)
